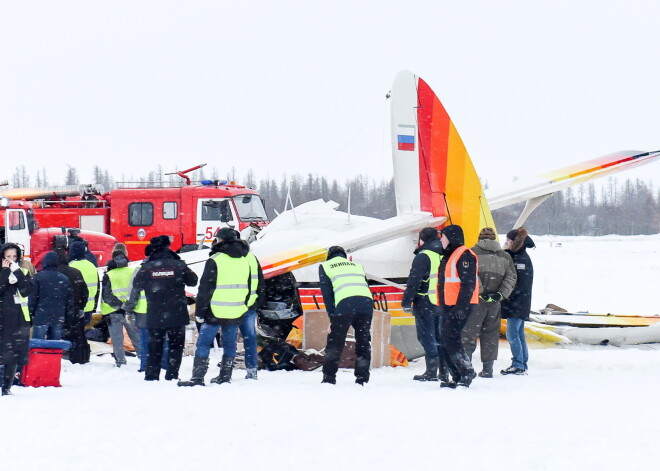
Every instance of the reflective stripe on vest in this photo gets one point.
(347, 279)
(120, 280)
(24, 300)
(231, 286)
(91, 276)
(432, 280)
(254, 278)
(452, 280)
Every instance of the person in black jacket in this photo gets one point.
(15, 286)
(516, 309)
(74, 327)
(459, 292)
(227, 243)
(424, 304)
(163, 279)
(51, 300)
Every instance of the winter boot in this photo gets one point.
(329, 379)
(226, 367)
(512, 370)
(487, 371)
(431, 373)
(466, 380)
(362, 370)
(251, 373)
(7, 378)
(200, 366)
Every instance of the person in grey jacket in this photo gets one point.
(497, 278)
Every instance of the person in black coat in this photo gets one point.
(163, 279)
(15, 286)
(74, 327)
(455, 311)
(416, 299)
(516, 308)
(51, 300)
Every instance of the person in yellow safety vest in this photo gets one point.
(15, 286)
(115, 288)
(422, 299)
(136, 310)
(349, 302)
(222, 301)
(90, 274)
(459, 293)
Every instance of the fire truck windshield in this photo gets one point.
(250, 208)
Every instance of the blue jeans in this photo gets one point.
(53, 331)
(248, 329)
(144, 339)
(515, 334)
(206, 334)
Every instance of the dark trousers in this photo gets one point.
(7, 373)
(427, 324)
(358, 314)
(483, 323)
(452, 353)
(175, 337)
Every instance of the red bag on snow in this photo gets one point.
(44, 363)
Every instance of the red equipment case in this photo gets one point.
(44, 363)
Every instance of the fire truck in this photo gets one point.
(18, 225)
(189, 213)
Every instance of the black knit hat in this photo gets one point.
(428, 233)
(336, 251)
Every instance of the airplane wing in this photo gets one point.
(537, 190)
(315, 232)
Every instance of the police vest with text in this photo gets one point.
(232, 287)
(120, 281)
(348, 279)
(452, 280)
(432, 280)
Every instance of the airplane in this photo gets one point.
(436, 184)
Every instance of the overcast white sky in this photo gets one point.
(299, 86)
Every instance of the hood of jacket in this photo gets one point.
(119, 260)
(234, 248)
(489, 245)
(521, 241)
(455, 236)
(11, 245)
(434, 245)
(77, 251)
(50, 261)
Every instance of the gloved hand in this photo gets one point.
(459, 314)
(496, 297)
(407, 308)
(81, 314)
(14, 266)
(485, 297)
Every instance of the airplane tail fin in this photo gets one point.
(432, 169)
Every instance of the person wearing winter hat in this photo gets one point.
(163, 278)
(14, 317)
(222, 301)
(115, 288)
(421, 298)
(78, 260)
(516, 308)
(348, 302)
(459, 293)
(497, 277)
(51, 300)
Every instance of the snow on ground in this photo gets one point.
(586, 408)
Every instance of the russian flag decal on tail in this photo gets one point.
(406, 137)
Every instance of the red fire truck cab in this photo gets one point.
(189, 214)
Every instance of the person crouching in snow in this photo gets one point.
(115, 291)
(15, 286)
(516, 309)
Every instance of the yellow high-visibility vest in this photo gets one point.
(348, 278)
(232, 287)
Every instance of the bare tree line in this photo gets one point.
(629, 207)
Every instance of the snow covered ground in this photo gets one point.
(579, 408)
